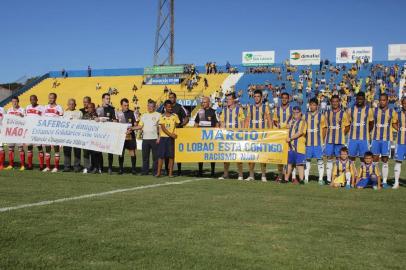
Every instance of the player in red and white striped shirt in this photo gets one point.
(34, 110)
(2, 154)
(18, 111)
(52, 110)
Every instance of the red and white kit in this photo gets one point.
(52, 111)
(18, 112)
(31, 111)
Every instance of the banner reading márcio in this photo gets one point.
(228, 145)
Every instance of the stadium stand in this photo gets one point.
(301, 82)
(119, 87)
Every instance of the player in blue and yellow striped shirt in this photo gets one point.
(258, 117)
(400, 153)
(282, 113)
(232, 116)
(384, 120)
(368, 174)
(362, 123)
(281, 116)
(344, 172)
(315, 138)
(297, 145)
(338, 126)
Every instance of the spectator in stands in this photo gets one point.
(206, 83)
(55, 83)
(89, 71)
(358, 62)
(228, 66)
(166, 90)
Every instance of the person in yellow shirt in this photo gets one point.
(232, 116)
(362, 123)
(297, 145)
(315, 138)
(166, 146)
(258, 117)
(344, 172)
(382, 135)
(281, 116)
(338, 125)
(368, 174)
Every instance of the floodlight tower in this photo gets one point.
(165, 33)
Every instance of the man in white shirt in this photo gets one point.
(150, 137)
(52, 110)
(72, 114)
(34, 110)
(18, 111)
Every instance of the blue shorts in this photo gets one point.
(332, 149)
(381, 148)
(314, 152)
(400, 152)
(366, 182)
(166, 148)
(296, 158)
(357, 148)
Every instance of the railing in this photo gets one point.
(24, 89)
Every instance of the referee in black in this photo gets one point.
(183, 116)
(206, 118)
(107, 113)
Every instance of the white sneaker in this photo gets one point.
(263, 179)
(375, 187)
(306, 181)
(46, 169)
(249, 178)
(240, 178)
(395, 186)
(54, 170)
(84, 170)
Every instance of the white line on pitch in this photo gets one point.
(92, 195)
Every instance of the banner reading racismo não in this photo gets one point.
(227, 145)
(103, 137)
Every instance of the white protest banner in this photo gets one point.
(396, 52)
(351, 54)
(258, 58)
(103, 137)
(304, 57)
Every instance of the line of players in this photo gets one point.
(312, 136)
(92, 160)
(316, 135)
(34, 109)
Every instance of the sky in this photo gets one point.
(44, 35)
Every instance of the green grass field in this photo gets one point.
(200, 224)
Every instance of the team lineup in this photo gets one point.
(334, 138)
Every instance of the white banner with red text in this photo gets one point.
(97, 136)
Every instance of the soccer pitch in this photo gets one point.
(195, 223)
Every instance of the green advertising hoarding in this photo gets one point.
(157, 70)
